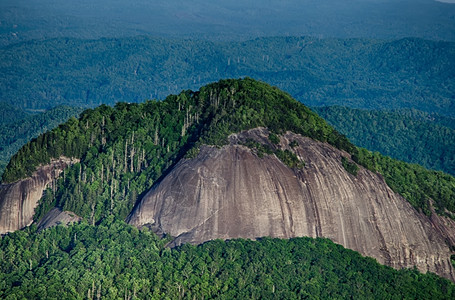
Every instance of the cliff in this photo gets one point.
(18, 200)
(231, 192)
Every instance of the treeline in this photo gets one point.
(22, 127)
(407, 73)
(409, 135)
(114, 260)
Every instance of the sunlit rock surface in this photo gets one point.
(230, 192)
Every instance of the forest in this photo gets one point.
(117, 261)
(19, 127)
(408, 135)
(382, 74)
(359, 73)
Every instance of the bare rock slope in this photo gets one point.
(18, 200)
(56, 216)
(231, 192)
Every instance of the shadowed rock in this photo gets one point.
(231, 192)
(18, 200)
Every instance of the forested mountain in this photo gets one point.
(408, 135)
(407, 73)
(225, 20)
(10, 114)
(126, 149)
(20, 127)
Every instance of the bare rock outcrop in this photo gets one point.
(231, 192)
(56, 217)
(18, 200)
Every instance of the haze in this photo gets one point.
(225, 20)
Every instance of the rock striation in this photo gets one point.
(231, 192)
(18, 200)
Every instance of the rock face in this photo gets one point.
(231, 192)
(18, 200)
(55, 217)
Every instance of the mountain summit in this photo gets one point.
(237, 159)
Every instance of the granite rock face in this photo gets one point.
(18, 200)
(56, 217)
(231, 192)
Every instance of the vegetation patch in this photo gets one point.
(274, 139)
(287, 157)
(351, 167)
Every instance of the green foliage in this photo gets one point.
(22, 128)
(227, 20)
(351, 167)
(421, 187)
(274, 138)
(114, 260)
(293, 144)
(362, 73)
(10, 114)
(409, 135)
(287, 157)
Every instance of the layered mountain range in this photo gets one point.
(237, 159)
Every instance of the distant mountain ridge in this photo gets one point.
(221, 20)
(359, 73)
(408, 135)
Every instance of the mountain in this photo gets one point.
(409, 135)
(359, 73)
(10, 114)
(225, 20)
(238, 158)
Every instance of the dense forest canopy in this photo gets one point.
(372, 74)
(88, 54)
(409, 135)
(114, 260)
(20, 127)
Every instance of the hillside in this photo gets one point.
(409, 135)
(360, 73)
(22, 127)
(123, 156)
(10, 114)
